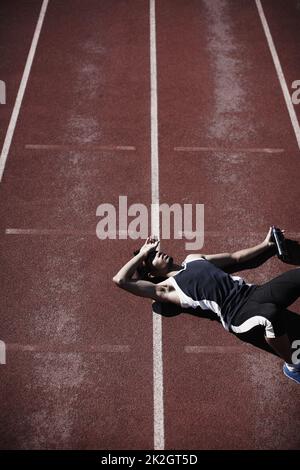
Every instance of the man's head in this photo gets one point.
(157, 264)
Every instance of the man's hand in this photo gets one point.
(150, 245)
(268, 241)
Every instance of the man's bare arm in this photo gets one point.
(146, 289)
(128, 270)
(227, 260)
(141, 288)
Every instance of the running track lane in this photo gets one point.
(79, 360)
(218, 89)
(283, 19)
(191, 436)
(23, 20)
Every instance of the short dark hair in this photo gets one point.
(144, 271)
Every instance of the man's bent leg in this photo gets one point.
(282, 346)
(283, 290)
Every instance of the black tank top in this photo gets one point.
(202, 284)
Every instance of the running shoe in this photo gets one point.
(292, 374)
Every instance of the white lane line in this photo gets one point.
(102, 348)
(129, 148)
(112, 235)
(215, 349)
(221, 149)
(45, 231)
(279, 72)
(158, 392)
(21, 91)
(122, 234)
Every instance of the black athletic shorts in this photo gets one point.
(266, 305)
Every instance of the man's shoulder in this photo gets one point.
(194, 257)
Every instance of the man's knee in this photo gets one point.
(275, 321)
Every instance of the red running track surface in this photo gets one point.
(79, 371)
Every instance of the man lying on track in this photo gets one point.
(201, 281)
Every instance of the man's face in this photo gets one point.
(159, 262)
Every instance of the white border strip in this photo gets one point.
(279, 71)
(158, 403)
(21, 91)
